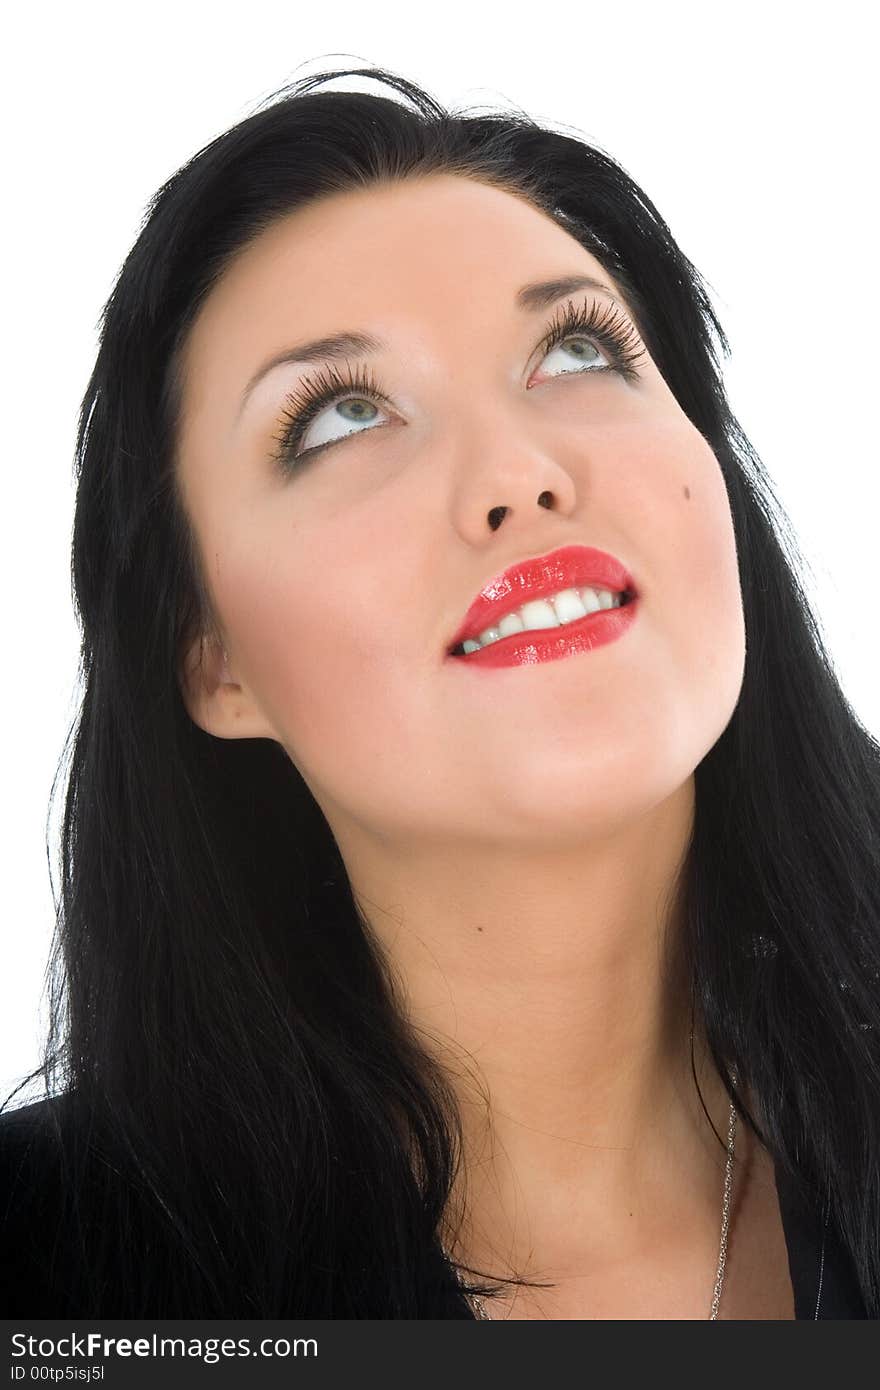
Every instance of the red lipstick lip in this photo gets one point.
(571, 567)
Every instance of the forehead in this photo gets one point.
(384, 254)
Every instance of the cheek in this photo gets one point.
(340, 672)
(697, 606)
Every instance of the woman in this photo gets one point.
(470, 864)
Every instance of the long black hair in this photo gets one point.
(227, 1051)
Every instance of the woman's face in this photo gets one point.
(340, 579)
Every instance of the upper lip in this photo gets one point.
(571, 567)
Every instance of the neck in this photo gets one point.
(549, 987)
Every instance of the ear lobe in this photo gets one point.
(214, 699)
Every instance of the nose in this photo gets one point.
(507, 491)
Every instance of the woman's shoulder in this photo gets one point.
(36, 1263)
(29, 1121)
(823, 1275)
(29, 1157)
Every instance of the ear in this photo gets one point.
(214, 699)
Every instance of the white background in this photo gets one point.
(753, 128)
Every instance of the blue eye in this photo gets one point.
(349, 411)
(356, 395)
(585, 363)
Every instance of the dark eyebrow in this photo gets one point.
(336, 346)
(545, 292)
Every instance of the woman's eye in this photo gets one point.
(351, 412)
(587, 355)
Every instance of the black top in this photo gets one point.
(37, 1265)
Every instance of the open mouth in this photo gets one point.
(621, 600)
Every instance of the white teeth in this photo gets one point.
(511, 622)
(564, 607)
(540, 613)
(570, 604)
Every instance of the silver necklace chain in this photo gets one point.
(483, 1313)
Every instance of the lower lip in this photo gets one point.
(549, 644)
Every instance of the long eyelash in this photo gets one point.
(605, 323)
(308, 399)
(602, 322)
